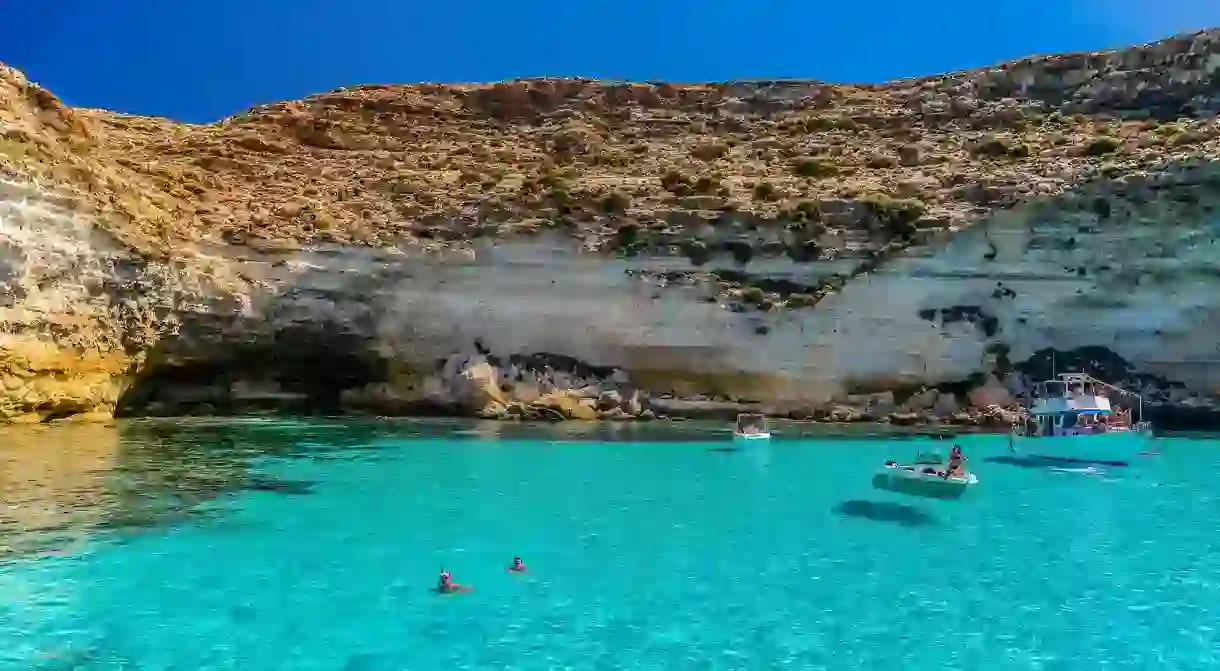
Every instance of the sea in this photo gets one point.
(283, 544)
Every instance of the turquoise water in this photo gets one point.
(299, 546)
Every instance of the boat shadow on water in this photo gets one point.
(259, 483)
(1051, 463)
(883, 511)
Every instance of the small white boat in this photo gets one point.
(750, 426)
(927, 477)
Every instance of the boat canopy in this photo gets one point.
(751, 423)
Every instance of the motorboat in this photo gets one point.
(1070, 420)
(751, 426)
(928, 476)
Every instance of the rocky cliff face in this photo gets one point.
(576, 249)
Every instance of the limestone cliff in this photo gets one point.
(579, 249)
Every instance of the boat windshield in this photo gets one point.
(751, 424)
(1053, 389)
(930, 458)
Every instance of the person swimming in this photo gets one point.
(518, 566)
(445, 584)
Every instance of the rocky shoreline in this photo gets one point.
(555, 388)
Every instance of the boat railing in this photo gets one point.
(1139, 400)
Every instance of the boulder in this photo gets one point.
(946, 405)
(633, 404)
(904, 418)
(844, 413)
(471, 382)
(609, 399)
(526, 392)
(882, 402)
(924, 400)
(991, 392)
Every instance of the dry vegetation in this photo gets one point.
(436, 164)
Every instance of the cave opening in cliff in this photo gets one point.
(298, 372)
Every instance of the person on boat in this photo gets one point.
(518, 566)
(445, 584)
(957, 463)
(1101, 423)
(1088, 424)
(1124, 418)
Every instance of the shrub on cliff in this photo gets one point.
(676, 183)
(1102, 144)
(708, 185)
(698, 252)
(807, 210)
(996, 146)
(615, 202)
(816, 168)
(801, 301)
(752, 295)
(897, 216)
(764, 191)
(1190, 137)
(627, 234)
(1167, 131)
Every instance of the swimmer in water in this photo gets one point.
(445, 584)
(518, 566)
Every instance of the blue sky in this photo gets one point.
(199, 61)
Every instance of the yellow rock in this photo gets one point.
(26, 418)
(570, 405)
(92, 417)
(582, 411)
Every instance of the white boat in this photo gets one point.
(750, 426)
(928, 477)
(1072, 421)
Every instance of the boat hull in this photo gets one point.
(752, 437)
(899, 481)
(1110, 449)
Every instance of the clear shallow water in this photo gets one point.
(264, 545)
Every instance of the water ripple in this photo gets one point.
(312, 545)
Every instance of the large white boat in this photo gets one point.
(1071, 420)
